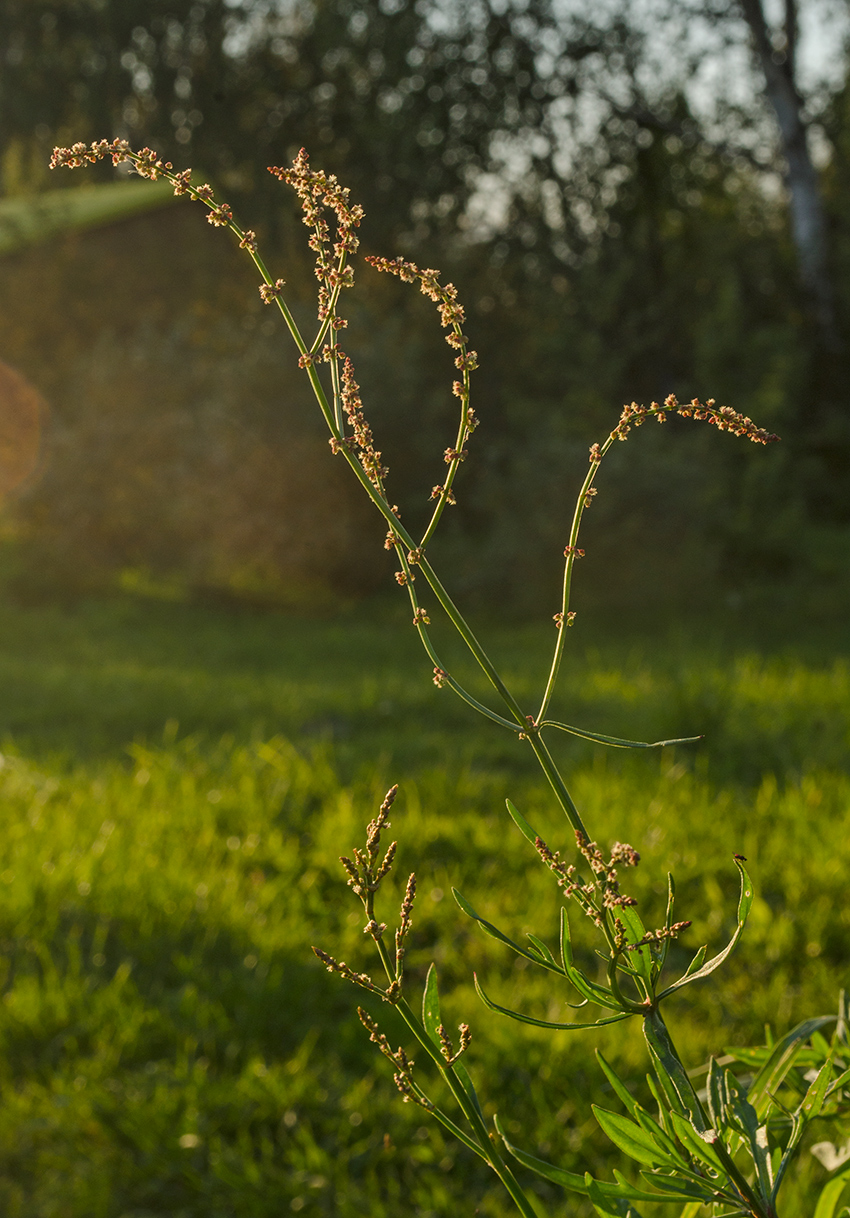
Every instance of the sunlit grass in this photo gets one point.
(177, 785)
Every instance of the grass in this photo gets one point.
(177, 785)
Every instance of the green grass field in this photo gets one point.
(177, 783)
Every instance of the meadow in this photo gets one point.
(177, 783)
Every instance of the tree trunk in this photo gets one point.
(808, 217)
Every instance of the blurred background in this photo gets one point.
(633, 199)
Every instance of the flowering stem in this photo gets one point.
(483, 1140)
(571, 555)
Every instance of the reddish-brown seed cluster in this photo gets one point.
(352, 404)
(452, 316)
(269, 292)
(724, 418)
(658, 936)
(446, 1046)
(220, 216)
(147, 164)
(604, 892)
(439, 490)
(440, 677)
(403, 1076)
(87, 154)
(320, 193)
(421, 618)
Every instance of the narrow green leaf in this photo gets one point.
(521, 823)
(431, 1005)
(633, 1140)
(745, 904)
(495, 933)
(620, 1089)
(816, 1094)
(654, 1129)
(545, 953)
(608, 1207)
(635, 931)
(468, 1086)
(831, 1194)
(746, 1118)
(698, 1146)
(545, 1023)
(679, 1188)
(458, 1133)
(780, 1060)
(558, 1175)
(716, 1095)
(671, 1073)
(591, 991)
(668, 918)
(615, 741)
(697, 961)
(838, 1083)
(574, 1182)
(663, 1109)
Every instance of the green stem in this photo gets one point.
(568, 577)
(458, 1091)
(465, 631)
(425, 639)
(557, 783)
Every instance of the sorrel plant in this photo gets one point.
(725, 1149)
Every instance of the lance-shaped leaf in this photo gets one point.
(522, 824)
(672, 1075)
(619, 1087)
(638, 1143)
(544, 952)
(577, 1183)
(745, 1118)
(431, 1006)
(813, 1103)
(608, 1207)
(590, 989)
(678, 1187)
(697, 962)
(668, 921)
(615, 741)
(545, 1023)
(36, 218)
(838, 1083)
(700, 1146)
(558, 1175)
(641, 957)
(809, 1108)
(745, 904)
(831, 1194)
(717, 1095)
(663, 1107)
(535, 957)
(780, 1060)
(637, 1113)
(432, 1019)
(468, 1086)
(708, 1148)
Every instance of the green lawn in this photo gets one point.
(177, 784)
